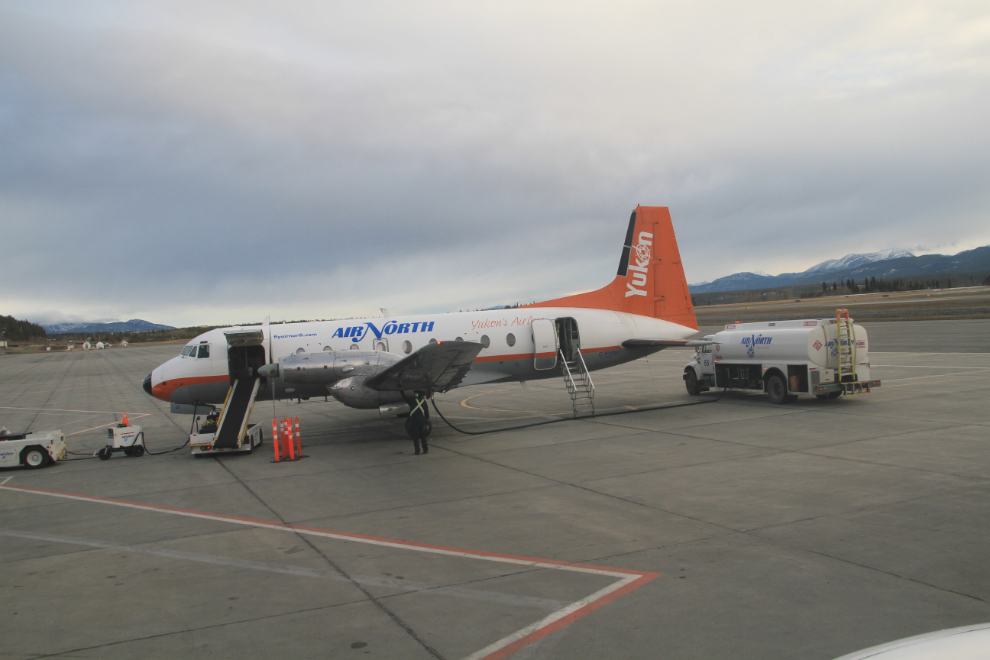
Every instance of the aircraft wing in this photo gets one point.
(437, 367)
(665, 343)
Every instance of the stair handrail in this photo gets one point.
(572, 386)
(587, 374)
(591, 384)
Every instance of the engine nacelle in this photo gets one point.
(352, 392)
(328, 367)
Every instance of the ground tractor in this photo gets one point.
(32, 450)
(823, 357)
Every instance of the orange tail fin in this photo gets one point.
(650, 281)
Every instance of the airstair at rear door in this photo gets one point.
(577, 378)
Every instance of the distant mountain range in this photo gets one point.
(888, 264)
(134, 325)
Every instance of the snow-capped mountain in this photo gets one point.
(856, 260)
(134, 325)
(884, 264)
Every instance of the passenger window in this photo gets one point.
(406, 347)
(327, 348)
(458, 339)
(485, 341)
(510, 339)
(204, 351)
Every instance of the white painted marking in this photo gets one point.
(898, 380)
(925, 366)
(297, 571)
(136, 416)
(624, 578)
(553, 618)
(109, 412)
(5, 480)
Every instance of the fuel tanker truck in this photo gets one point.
(823, 357)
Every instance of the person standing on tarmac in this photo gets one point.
(419, 417)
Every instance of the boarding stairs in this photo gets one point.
(236, 412)
(577, 378)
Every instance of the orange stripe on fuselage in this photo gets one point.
(531, 356)
(166, 388)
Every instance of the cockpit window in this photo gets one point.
(204, 351)
(188, 350)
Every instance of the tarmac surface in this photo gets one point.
(728, 529)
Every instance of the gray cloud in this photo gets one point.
(213, 162)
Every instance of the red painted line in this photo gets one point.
(569, 619)
(364, 537)
(499, 651)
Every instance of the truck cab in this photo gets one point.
(699, 374)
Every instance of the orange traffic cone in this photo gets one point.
(125, 422)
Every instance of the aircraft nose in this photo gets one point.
(147, 384)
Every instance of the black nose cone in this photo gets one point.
(147, 384)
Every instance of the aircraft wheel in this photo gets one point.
(35, 457)
(104, 453)
(691, 383)
(777, 389)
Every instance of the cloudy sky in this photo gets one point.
(214, 162)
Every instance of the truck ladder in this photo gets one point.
(846, 337)
(236, 413)
(577, 378)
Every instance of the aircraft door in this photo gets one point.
(568, 338)
(545, 342)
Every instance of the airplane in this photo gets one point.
(381, 362)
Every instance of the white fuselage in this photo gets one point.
(509, 353)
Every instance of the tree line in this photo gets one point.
(872, 284)
(14, 330)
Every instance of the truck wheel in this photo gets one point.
(34, 458)
(835, 395)
(691, 383)
(777, 389)
(104, 453)
(137, 451)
